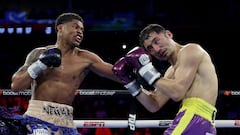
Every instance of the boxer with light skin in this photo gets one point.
(54, 73)
(191, 78)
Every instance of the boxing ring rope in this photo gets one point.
(145, 123)
(125, 123)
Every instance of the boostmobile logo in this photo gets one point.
(11, 93)
(230, 93)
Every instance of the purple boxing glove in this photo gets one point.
(141, 60)
(125, 73)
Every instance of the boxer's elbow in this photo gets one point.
(153, 109)
(19, 85)
(177, 98)
(15, 87)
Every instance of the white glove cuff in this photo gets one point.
(133, 87)
(36, 67)
(149, 73)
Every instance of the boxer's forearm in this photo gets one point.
(21, 80)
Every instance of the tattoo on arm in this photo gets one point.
(31, 57)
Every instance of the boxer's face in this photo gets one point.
(72, 32)
(157, 44)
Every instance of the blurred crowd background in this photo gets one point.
(26, 24)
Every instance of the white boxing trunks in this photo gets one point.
(49, 118)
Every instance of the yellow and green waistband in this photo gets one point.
(199, 107)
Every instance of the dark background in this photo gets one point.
(110, 24)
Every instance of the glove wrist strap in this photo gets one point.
(149, 73)
(133, 87)
(34, 69)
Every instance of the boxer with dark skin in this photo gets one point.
(54, 73)
(191, 78)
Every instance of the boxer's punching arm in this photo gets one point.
(21, 80)
(100, 67)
